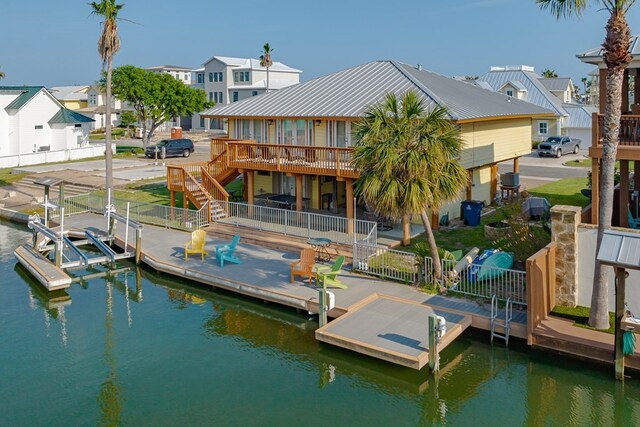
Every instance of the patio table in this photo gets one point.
(321, 245)
(285, 200)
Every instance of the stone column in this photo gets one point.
(564, 231)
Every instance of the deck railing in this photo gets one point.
(293, 223)
(385, 263)
(301, 159)
(146, 213)
(629, 130)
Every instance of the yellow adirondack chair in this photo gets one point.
(304, 266)
(196, 245)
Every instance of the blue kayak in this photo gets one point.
(491, 266)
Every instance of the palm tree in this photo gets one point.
(549, 74)
(1, 75)
(616, 57)
(584, 85)
(408, 161)
(265, 60)
(108, 46)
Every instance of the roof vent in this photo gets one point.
(419, 67)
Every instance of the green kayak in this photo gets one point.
(491, 266)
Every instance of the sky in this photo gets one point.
(54, 43)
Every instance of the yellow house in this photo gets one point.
(296, 143)
(71, 97)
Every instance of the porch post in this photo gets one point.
(299, 193)
(516, 165)
(602, 90)
(172, 197)
(595, 189)
(185, 201)
(494, 179)
(349, 197)
(250, 188)
(636, 175)
(636, 91)
(469, 184)
(625, 92)
(624, 193)
(620, 309)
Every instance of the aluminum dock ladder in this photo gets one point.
(503, 323)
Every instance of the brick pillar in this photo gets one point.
(564, 231)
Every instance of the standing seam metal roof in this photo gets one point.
(27, 92)
(594, 56)
(536, 92)
(556, 84)
(66, 116)
(350, 92)
(580, 115)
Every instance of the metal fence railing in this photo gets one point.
(385, 263)
(475, 280)
(302, 224)
(485, 281)
(146, 213)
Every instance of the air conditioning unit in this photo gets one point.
(510, 179)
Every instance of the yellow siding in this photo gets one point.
(74, 105)
(481, 189)
(231, 123)
(321, 135)
(315, 196)
(495, 141)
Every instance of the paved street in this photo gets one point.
(536, 170)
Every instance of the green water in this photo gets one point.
(145, 349)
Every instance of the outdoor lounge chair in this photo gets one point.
(304, 266)
(633, 222)
(225, 252)
(328, 276)
(196, 245)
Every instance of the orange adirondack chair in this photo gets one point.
(196, 245)
(304, 266)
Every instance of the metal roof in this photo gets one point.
(252, 64)
(620, 249)
(580, 115)
(556, 84)
(70, 93)
(536, 92)
(25, 93)
(514, 83)
(168, 68)
(594, 56)
(350, 92)
(66, 116)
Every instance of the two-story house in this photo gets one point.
(228, 80)
(556, 94)
(183, 74)
(298, 141)
(34, 122)
(96, 108)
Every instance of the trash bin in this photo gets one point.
(176, 133)
(471, 210)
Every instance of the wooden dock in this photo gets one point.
(53, 278)
(391, 329)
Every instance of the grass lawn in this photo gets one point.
(580, 317)
(8, 178)
(563, 192)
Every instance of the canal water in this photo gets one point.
(140, 348)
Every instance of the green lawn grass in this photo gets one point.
(563, 192)
(580, 317)
(586, 163)
(8, 178)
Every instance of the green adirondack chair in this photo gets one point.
(328, 276)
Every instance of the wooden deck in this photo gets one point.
(264, 274)
(559, 335)
(391, 329)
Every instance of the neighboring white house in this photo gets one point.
(96, 108)
(183, 74)
(556, 94)
(36, 128)
(228, 80)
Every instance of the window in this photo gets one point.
(246, 76)
(210, 77)
(77, 125)
(339, 133)
(241, 76)
(509, 92)
(202, 122)
(252, 129)
(220, 76)
(200, 78)
(235, 96)
(215, 77)
(211, 96)
(220, 99)
(254, 93)
(186, 76)
(297, 132)
(543, 128)
(38, 127)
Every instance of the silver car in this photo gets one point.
(556, 146)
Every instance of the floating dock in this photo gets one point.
(53, 278)
(391, 329)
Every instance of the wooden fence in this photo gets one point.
(541, 287)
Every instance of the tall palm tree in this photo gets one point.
(584, 86)
(549, 74)
(108, 46)
(616, 57)
(265, 60)
(408, 161)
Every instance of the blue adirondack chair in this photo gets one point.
(225, 252)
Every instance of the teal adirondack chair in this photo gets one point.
(328, 276)
(225, 252)
(633, 222)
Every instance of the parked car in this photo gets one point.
(556, 146)
(139, 134)
(172, 148)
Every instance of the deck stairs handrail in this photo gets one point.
(196, 193)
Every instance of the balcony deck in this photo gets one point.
(629, 146)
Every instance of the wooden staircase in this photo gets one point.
(202, 183)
